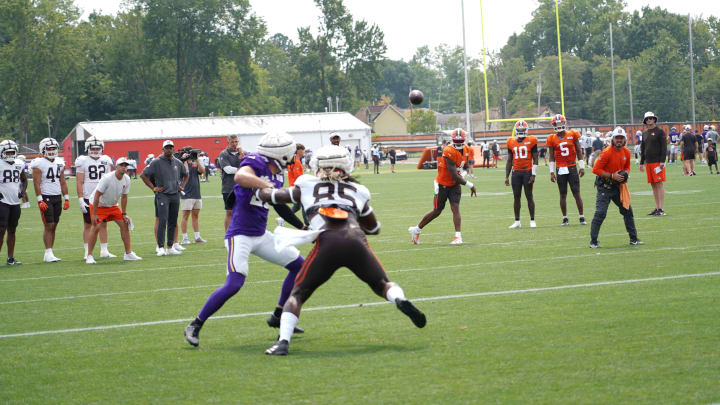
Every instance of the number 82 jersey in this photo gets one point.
(93, 169)
(50, 174)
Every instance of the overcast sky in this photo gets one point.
(410, 24)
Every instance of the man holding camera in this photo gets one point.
(190, 200)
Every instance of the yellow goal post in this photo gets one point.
(487, 103)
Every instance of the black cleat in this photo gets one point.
(274, 322)
(661, 213)
(565, 222)
(582, 221)
(654, 212)
(279, 349)
(636, 242)
(415, 315)
(192, 333)
(12, 262)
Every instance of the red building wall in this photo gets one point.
(116, 149)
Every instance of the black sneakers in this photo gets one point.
(274, 322)
(192, 333)
(594, 245)
(582, 221)
(279, 349)
(658, 212)
(565, 222)
(12, 262)
(654, 212)
(415, 315)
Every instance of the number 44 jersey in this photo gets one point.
(10, 182)
(93, 169)
(50, 173)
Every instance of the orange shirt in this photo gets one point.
(564, 148)
(459, 156)
(522, 152)
(295, 170)
(471, 153)
(612, 160)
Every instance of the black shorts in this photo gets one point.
(588, 152)
(690, 155)
(543, 151)
(9, 215)
(229, 199)
(339, 248)
(711, 159)
(452, 193)
(392, 161)
(52, 214)
(520, 179)
(86, 215)
(376, 159)
(572, 178)
(700, 147)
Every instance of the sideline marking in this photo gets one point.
(366, 304)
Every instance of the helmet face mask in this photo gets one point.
(91, 147)
(458, 137)
(559, 123)
(49, 148)
(521, 129)
(8, 151)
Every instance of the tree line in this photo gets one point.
(180, 58)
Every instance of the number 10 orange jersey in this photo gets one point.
(522, 152)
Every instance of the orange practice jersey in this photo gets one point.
(456, 155)
(295, 170)
(564, 149)
(522, 152)
(612, 160)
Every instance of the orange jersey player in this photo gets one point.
(565, 147)
(522, 162)
(447, 186)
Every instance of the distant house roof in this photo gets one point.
(371, 113)
(220, 126)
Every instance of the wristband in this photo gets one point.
(581, 164)
(124, 213)
(469, 184)
(40, 198)
(66, 197)
(552, 167)
(272, 196)
(534, 170)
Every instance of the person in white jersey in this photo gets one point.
(90, 169)
(48, 174)
(112, 187)
(12, 186)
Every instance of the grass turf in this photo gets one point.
(498, 329)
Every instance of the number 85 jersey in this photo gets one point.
(10, 182)
(50, 174)
(315, 192)
(93, 170)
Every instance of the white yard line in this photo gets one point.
(332, 307)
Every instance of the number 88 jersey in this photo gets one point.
(10, 182)
(50, 174)
(93, 169)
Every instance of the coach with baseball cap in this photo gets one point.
(335, 138)
(168, 176)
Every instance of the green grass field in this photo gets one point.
(514, 316)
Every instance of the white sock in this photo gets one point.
(48, 251)
(185, 236)
(103, 247)
(86, 248)
(394, 293)
(288, 320)
(457, 235)
(197, 235)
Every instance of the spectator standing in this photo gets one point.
(689, 147)
(496, 152)
(711, 153)
(597, 147)
(375, 151)
(295, 170)
(392, 156)
(587, 145)
(191, 200)
(699, 147)
(486, 155)
(358, 156)
(471, 160)
(166, 170)
(228, 163)
(652, 157)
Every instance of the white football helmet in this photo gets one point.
(93, 142)
(278, 146)
(706, 128)
(330, 158)
(46, 145)
(687, 128)
(8, 151)
(638, 133)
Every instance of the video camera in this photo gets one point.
(188, 153)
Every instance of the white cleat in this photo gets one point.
(50, 258)
(131, 256)
(107, 255)
(178, 247)
(515, 224)
(533, 224)
(456, 241)
(185, 241)
(200, 240)
(414, 234)
(160, 251)
(172, 251)
(90, 260)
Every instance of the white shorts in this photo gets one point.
(187, 204)
(240, 246)
(637, 149)
(673, 149)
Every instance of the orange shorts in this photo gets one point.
(106, 214)
(652, 176)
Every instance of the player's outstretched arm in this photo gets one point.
(246, 177)
(275, 196)
(452, 169)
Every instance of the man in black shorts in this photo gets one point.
(711, 153)
(13, 183)
(523, 163)
(228, 163)
(340, 207)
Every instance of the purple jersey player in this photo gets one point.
(247, 231)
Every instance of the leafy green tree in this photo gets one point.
(422, 120)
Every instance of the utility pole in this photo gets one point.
(467, 96)
(337, 103)
(692, 72)
(630, 93)
(329, 101)
(612, 76)
(539, 92)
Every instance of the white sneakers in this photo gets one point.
(160, 251)
(200, 240)
(457, 240)
(515, 224)
(106, 254)
(185, 241)
(533, 224)
(280, 221)
(50, 257)
(90, 260)
(131, 256)
(414, 234)
(178, 247)
(173, 251)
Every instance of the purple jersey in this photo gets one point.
(638, 139)
(249, 215)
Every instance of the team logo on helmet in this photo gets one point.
(559, 123)
(458, 137)
(521, 129)
(49, 148)
(8, 151)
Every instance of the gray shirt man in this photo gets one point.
(166, 173)
(232, 160)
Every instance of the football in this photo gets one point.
(625, 176)
(416, 97)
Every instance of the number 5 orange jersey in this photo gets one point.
(564, 149)
(522, 152)
(459, 156)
